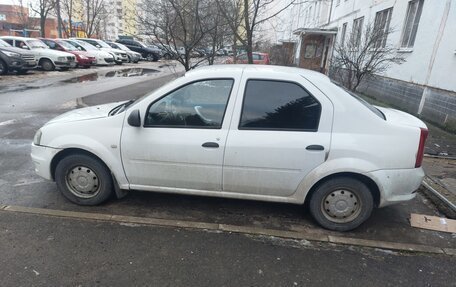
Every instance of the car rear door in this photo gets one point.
(281, 130)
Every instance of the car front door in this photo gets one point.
(182, 139)
(279, 133)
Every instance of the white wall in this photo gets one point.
(417, 69)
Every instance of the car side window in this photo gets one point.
(199, 104)
(9, 41)
(50, 44)
(278, 105)
(19, 43)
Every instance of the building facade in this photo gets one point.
(423, 34)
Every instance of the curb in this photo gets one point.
(310, 236)
(443, 203)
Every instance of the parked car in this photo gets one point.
(258, 58)
(133, 57)
(83, 59)
(119, 55)
(15, 59)
(137, 46)
(48, 59)
(167, 51)
(103, 58)
(241, 131)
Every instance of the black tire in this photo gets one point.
(167, 57)
(341, 204)
(47, 65)
(3, 68)
(129, 59)
(22, 71)
(89, 168)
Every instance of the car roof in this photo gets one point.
(18, 38)
(270, 69)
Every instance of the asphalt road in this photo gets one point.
(47, 251)
(70, 252)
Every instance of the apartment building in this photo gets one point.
(423, 34)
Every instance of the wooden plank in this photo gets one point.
(433, 223)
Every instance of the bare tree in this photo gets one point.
(95, 14)
(179, 25)
(42, 8)
(363, 54)
(245, 16)
(69, 10)
(22, 14)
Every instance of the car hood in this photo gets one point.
(49, 52)
(112, 50)
(402, 118)
(83, 114)
(15, 50)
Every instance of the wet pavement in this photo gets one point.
(20, 186)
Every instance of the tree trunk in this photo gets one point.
(43, 27)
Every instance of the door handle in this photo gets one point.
(210, 145)
(315, 147)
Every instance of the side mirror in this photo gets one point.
(134, 119)
(25, 47)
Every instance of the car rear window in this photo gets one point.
(362, 101)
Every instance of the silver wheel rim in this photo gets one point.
(83, 182)
(341, 206)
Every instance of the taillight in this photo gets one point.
(419, 155)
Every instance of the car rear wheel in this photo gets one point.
(84, 180)
(341, 204)
(3, 68)
(47, 65)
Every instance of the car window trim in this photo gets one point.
(277, 129)
(192, 127)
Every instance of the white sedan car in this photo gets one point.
(240, 131)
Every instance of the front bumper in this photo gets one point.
(42, 157)
(87, 62)
(397, 185)
(15, 63)
(65, 64)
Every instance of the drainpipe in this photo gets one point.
(434, 54)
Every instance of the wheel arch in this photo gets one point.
(71, 151)
(369, 182)
(45, 58)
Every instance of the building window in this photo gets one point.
(381, 24)
(342, 34)
(411, 23)
(357, 31)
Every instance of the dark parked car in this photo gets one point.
(15, 59)
(151, 54)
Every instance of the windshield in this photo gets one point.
(67, 46)
(142, 44)
(122, 47)
(4, 44)
(85, 45)
(103, 44)
(36, 44)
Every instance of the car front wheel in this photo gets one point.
(84, 180)
(3, 68)
(341, 204)
(47, 65)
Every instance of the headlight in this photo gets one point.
(83, 57)
(62, 59)
(11, 54)
(37, 138)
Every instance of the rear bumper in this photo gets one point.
(397, 185)
(42, 157)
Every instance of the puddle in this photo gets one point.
(125, 73)
(96, 76)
